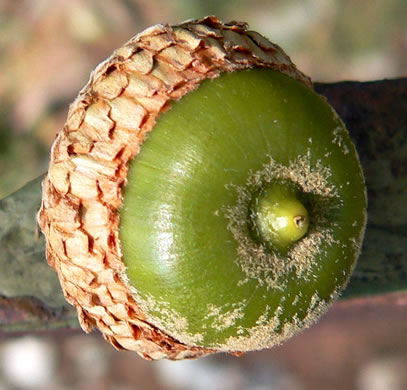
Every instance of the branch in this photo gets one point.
(376, 116)
(30, 295)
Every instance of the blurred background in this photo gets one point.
(47, 50)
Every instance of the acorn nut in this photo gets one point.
(201, 196)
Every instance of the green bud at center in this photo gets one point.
(279, 216)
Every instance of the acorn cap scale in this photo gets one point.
(110, 201)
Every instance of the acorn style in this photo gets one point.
(201, 197)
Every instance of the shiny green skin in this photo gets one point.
(275, 210)
(174, 237)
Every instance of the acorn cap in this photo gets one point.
(106, 126)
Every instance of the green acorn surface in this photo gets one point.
(206, 259)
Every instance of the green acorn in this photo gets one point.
(201, 197)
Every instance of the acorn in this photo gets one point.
(201, 197)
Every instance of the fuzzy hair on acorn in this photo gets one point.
(201, 196)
